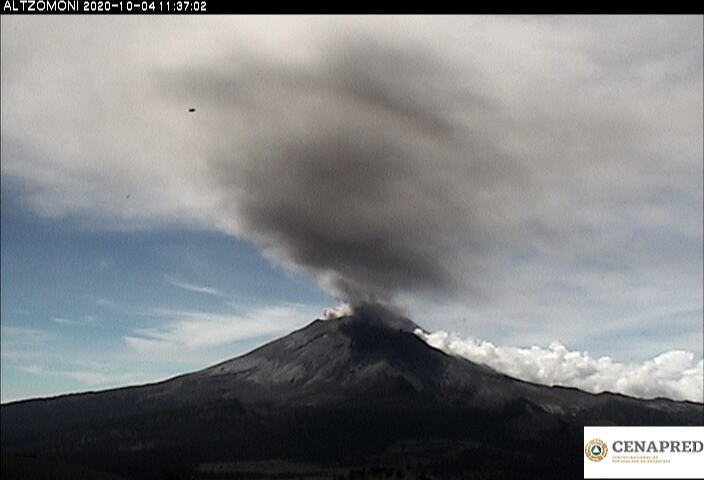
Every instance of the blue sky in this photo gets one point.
(71, 295)
(517, 180)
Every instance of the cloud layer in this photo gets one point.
(535, 169)
(378, 168)
(181, 331)
(675, 374)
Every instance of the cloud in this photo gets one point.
(675, 374)
(105, 264)
(194, 288)
(84, 320)
(528, 167)
(87, 377)
(33, 369)
(194, 330)
(342, 310)
(104, 302)
(22, 342)
(379, 171)
(28, 336)
(90, 378)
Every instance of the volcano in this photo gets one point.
(359, 396)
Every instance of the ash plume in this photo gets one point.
(522, 169)
(360, 170)
(380, 170)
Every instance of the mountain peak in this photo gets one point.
(332, 359)
(337, 387)
(377, 315)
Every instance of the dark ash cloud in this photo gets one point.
(518, 170)
(380, 170)
(349, 167)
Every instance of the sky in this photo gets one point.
(527, 189)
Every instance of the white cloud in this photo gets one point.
(342, 310)
(104, 264)
(675, 374)
(25, 335)
(21, 343)
(90, 378)
(191, 287)
(84, 320)
(194, 330)
(104, 302)
(33, 369)
(87, 377)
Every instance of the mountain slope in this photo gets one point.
(353, 388)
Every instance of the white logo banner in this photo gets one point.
(643, 452)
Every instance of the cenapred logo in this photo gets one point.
(596, 450)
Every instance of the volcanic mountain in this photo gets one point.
(361, 393)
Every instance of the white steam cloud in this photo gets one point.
(342, 310)
(675, 374)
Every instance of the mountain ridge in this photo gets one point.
(370, 323)
(353, 388)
